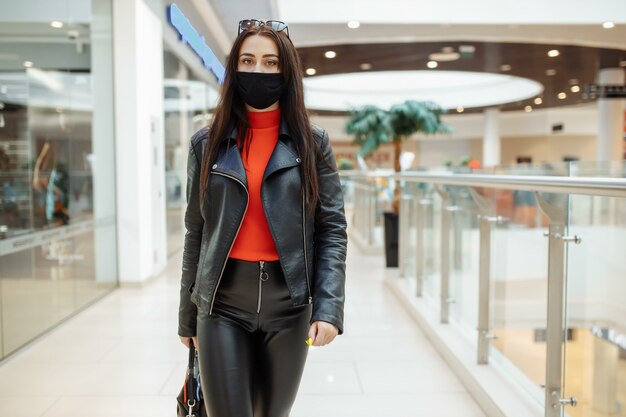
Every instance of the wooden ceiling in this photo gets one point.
(575, 65)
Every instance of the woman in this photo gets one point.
(264, 256)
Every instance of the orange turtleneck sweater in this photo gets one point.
(254, 241)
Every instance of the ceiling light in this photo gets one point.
(432, 64)
(460, 109)
(552, 53)
(444, 56)
(608, 25)
(528, 109)
(538, 100)
(330, 54)
(56, 24)
(575, 89)
(365, 66)
(505, 67)
(467, 49)
(310, 71)
(353, 24)
(28, 64)
(562, 95)
(550, 72)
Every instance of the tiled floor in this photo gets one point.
(121, 357)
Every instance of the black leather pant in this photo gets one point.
(252, 348)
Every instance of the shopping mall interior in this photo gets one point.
(485, 271)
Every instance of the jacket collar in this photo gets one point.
(284, 155)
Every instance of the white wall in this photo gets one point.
(138, 57)
(521, 133)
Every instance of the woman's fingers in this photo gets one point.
(322, 333)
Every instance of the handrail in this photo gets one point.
(606, 187)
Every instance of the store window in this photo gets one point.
(57, 176)
(188, 105)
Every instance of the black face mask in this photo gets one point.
(259, 90)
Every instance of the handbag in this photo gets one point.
(190, 400)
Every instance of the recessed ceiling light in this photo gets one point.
(562, 95)
(56, 24)
(310, 71)
(467, 49)
(552, 53)
(432, 64)
(505, 67)
(550, 72)
(538, 100)
(28, 64)
(460, 109)
(330, 54)
(444, 56)
(353, 24)
(575, 89)
(608, 25)
(365, 66)
(528, 109)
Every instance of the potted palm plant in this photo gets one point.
(373, 127)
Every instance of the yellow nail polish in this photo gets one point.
(309, 341)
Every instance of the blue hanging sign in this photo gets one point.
(190, 36)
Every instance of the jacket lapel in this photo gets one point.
(229, 162)
(282, 157)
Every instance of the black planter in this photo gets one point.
(391, 239)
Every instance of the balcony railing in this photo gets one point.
(528, 266)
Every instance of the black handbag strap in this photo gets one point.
(191, 389)
(192, 354)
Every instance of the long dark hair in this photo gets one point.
(231, 111)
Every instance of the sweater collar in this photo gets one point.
(264, 119)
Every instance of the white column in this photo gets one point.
(610, 119)
(140, 173)
(103, 155)
(491, 139)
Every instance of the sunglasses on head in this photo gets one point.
(277, 25)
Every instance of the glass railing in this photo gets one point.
(526, 263)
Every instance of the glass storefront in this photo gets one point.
(57, 165)
(188, 103)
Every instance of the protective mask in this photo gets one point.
(258, 89)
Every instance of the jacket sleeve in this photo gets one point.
(194, 223)
(330, 242)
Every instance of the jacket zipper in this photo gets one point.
(263, 276)
(235, 238)
(306, 263)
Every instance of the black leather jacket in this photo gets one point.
(311, 248)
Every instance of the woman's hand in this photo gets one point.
(185, 341)
(322, 333)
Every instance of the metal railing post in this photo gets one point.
(404, 226)
(446, 214)
(555, 331)
(422, 205)
(487, 217)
